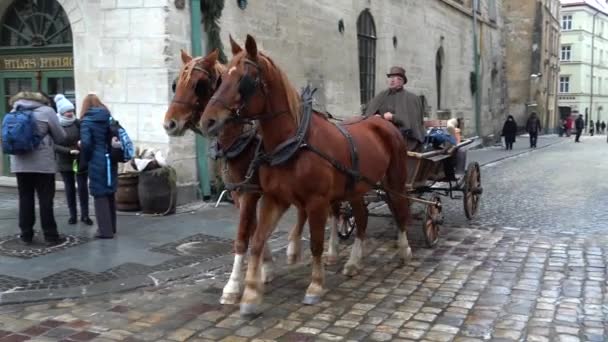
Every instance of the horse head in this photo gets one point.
(252, 88)
(198, 79)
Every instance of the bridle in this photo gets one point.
(196, 107)
(247, 87)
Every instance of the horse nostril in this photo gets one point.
(170, 125)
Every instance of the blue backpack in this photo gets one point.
(128, 150)
(20, 132)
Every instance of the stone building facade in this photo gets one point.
(127, 51)
(532, 38)
(583, 80)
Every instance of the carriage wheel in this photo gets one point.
(431, 222)
(472, 190)
(347, 222)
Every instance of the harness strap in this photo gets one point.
(354, 157)
(246, 184)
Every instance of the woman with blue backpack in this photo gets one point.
(29, 133)
(97, 144)
(73, 169)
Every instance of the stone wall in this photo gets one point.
(303, 38)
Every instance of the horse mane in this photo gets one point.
(293, 97)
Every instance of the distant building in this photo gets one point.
(583, 80)
(532, 30)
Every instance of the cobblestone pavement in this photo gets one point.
(532, 267)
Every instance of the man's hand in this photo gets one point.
(388, 116)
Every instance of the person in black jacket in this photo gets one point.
(579, 124)
(533, 127)
(103, 170)
(509, 131)
(72, 169)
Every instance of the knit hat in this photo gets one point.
(63, 105)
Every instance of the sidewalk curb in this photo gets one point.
(522, 153)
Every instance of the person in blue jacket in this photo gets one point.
(96, 144)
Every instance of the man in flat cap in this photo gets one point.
(399, 106)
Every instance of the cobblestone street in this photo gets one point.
(531, 267)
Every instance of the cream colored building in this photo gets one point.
(583, 81)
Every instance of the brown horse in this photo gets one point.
(193, 88)
(254, 88)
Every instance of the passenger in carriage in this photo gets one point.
(400, 106)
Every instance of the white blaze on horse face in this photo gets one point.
(231, 70)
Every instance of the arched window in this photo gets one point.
(29, 23)
(438, 74)
(366, 38)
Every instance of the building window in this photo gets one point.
(366, 38)
(566, 54)
(492, 10)
(29, 23)
(567, 22)
(564, 84)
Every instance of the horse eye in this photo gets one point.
(173, 86)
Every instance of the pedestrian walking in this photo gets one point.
(591, 128)
(96, 145)
(597, 126)
(509, 131)
(579, 124)
(29, 133)
(73, 170)
(533, 127)
(603, 127)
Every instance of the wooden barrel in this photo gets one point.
(158, 191)
(127, 198)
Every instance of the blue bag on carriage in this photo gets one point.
(20, 132)
(437, 136)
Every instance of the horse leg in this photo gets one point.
(270, 212)
(317, 211)
(332, 249)
(355, 262)
(294, 248)
(267, 265)
(400, 209)
(247, 218)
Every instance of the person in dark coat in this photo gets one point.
(103, 171)
(591, 128)
(597, 126)
(509, 131)
(579, 124)
(533, 128)
(72, 170)
(400, 106)
(603, 127)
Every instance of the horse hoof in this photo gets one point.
(331, 260)
(406, 255)
(350, 270)
(229, 298)
(249, 310)
(311, 300)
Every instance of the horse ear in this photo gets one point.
(186, 58)
(252, 47)
(236, 48)
(211, 58)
